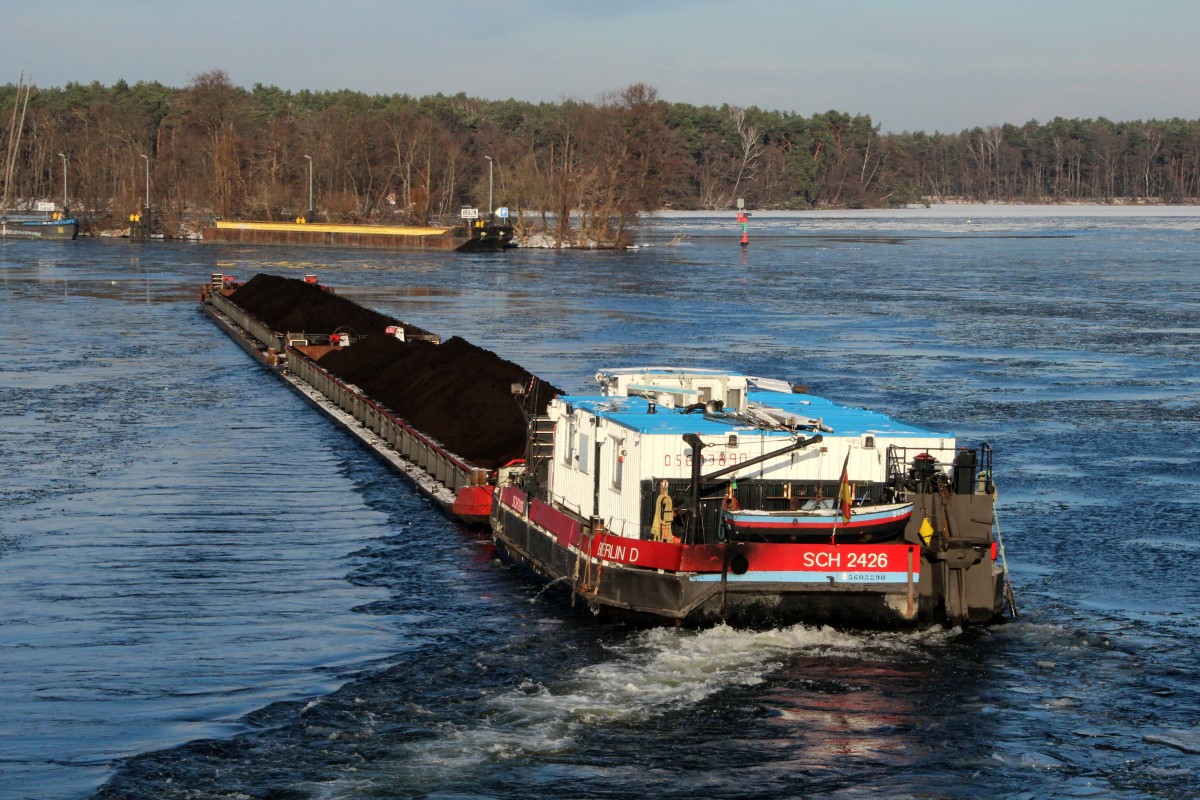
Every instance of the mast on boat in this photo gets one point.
(14, 141)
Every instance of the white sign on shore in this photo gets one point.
(470, 213)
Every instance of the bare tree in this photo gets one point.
(751, 148)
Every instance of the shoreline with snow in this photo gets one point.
(958, 210)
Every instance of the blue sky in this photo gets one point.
(909, 65)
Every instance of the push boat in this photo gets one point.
(695, 496)
(670, 496)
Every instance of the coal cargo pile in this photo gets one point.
(364, 360)
(456, 392)
(287, 304)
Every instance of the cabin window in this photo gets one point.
(618, 467)
(868, 442)
(569, 444)
(583, 453)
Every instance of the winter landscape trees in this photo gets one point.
(580, 170)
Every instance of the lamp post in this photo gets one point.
(142, 228)
(146, 208)
(66, 212)
(491, 163)
(308, 217)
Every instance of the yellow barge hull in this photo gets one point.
(387, 237)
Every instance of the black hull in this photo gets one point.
(54, 230)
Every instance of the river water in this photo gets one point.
(209, 591)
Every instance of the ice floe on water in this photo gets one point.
(1185, 741)
(967, 219)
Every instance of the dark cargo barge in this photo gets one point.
(441, 413)
(671, 496)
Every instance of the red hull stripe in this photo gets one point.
(762, 557)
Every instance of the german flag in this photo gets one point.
(845, 495)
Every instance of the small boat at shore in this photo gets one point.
(56, 226)
(56, 229)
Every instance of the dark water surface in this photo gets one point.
(208, 591)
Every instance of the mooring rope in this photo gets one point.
(1008, 588)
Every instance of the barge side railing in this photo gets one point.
(445, 467)
(248, 323)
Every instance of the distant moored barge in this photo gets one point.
(480, 236)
